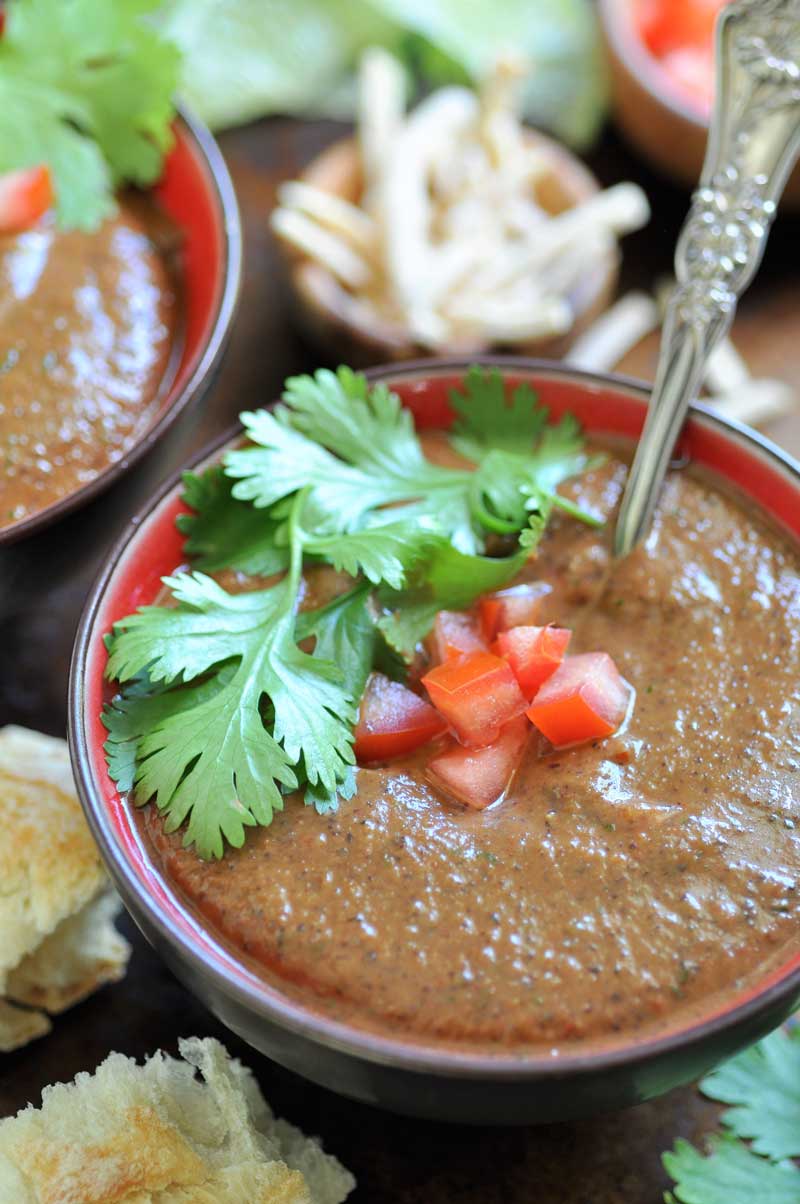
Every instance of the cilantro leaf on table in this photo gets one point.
(729, 1174)
(224, 533)
(763, 1084)
(86, 88)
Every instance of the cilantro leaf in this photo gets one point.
(223, 711)
(380, 553)
(730, 1174)
(86, 88)
(451, 581)
(521, 460)
(486, 418)
(356, 450)
(215, 762)
(764, 1085)
(225, 533)
(140, 707)
(325, 801)
(345, 634)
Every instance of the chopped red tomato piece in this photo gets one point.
(518, 606)
(481, 776)
(666, 24)
(393, 721)
(455, 633)
(24, 197)
(585, 699)
(477, 694)
(534, 653)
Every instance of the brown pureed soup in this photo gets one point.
(87, 327)
(620, 884)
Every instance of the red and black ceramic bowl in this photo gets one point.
(197, 194)
(388, 1071)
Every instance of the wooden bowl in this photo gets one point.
(325, 311)
(651, 112)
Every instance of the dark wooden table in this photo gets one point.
(43, 585)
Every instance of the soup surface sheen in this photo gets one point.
(87, 326)
(619, 883)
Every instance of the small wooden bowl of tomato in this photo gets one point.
(661, 58)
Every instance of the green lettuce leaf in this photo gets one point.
(86, 88)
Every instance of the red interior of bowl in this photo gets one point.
(187, 192)
(610, 409)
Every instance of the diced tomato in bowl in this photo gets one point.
(479, 777)
(456, 633)
(534, 654)
(585, 699)
(393, 721)
(517, 606)
(477, 694)
(25, 196)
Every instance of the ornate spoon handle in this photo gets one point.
(753, 143)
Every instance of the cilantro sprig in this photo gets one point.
(763, 1085)
(86, 88)
(230, 701)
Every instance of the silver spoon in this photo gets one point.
(753, 143)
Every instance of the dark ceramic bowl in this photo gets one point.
(394, 1073)
(197, 193)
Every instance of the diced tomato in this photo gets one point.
(664, 25)
(24, 197)
(585, 699)
(455, 633)
(518, 606)
(477, 694)
(534, 653)
(393, 721)
(481, 776)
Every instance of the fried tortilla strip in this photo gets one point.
(156, 1134)
(57, 941)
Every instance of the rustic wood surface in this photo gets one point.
(43, 585)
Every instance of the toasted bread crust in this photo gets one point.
(154, 1134)
(57, 939)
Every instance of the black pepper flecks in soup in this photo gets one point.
(620, 883)
(87, 328)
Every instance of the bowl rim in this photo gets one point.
(643, 65)
(266, 1002)
(223, 194)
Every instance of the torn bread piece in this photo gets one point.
(156, 1134)
(57, 937)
